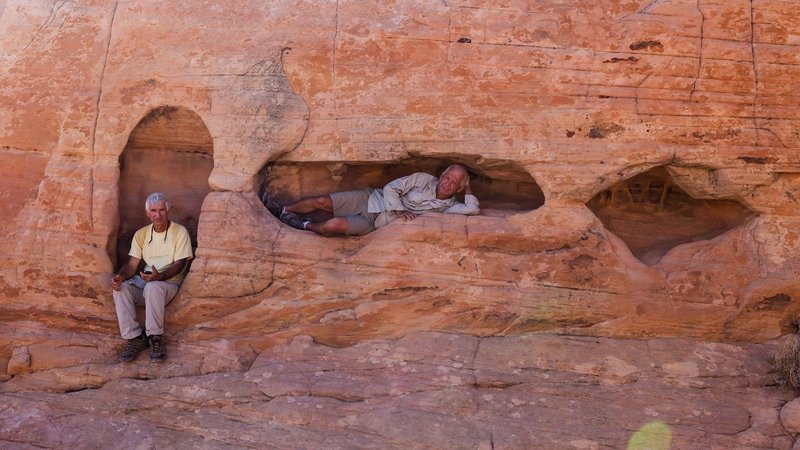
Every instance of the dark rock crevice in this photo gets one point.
(652, 214)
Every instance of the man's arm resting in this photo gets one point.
(394, 190)
(124, 272)
(470, 207)
(166, 272)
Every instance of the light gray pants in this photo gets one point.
(154, 295)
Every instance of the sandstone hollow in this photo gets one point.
(637, 164)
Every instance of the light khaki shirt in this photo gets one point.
(417, 193)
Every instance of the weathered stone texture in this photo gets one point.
(428, 390)
(790, 416)
(556, 106)
(582, 95)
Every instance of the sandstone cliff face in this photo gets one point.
(637, 163)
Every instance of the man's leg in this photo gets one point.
(345, 226)
(308, 205)
(349, 209)
(336, 226)
(125, 301)
(157, 294)
(311, 204)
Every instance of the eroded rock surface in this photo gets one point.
(790, 416)
(428, 390)
(550, 103)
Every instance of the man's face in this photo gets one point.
(450, 183)
(157, 213)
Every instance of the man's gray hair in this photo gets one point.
(157, 197)
(453, 166)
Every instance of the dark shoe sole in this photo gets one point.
(293, 220)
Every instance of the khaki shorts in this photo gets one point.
(353, 206)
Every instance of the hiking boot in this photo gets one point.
(272, 205)
(133, 347)
(158, 348)
(293, 220)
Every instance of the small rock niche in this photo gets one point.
(652, 214)
(499, 185)
(169, 151)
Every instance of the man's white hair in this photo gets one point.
(157, 197)
(453, 166)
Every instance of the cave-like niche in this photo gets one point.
(652, 214)
(169, 151)
(498, 184)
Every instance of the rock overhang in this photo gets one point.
(652, 214)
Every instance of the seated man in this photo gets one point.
(166, 250)
(359, 212)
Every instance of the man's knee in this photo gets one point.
(125, 293)
(324, 203)
(119, 297)
(157, 291)
(336, 225)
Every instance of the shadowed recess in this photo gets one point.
(169, 151)
(652, 215)
(498, 184)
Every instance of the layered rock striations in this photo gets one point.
(431, 390)
(636, 162)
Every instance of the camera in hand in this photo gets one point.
(147, 272)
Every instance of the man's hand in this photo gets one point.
(125, 272)
(155, 276)
(407, 215)
(465, 187)
(116, 282)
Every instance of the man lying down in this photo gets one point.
(362, 211)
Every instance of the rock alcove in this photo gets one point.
(499, 185)
(652, 214)
(169, 151)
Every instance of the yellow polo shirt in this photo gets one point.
(162, 249)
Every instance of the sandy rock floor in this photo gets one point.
(428, 390)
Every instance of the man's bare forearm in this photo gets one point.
(171, 270)
(129, 269)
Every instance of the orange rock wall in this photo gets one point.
(580, 94)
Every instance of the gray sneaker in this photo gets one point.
(293, 220)
(272, 205)
(133, 347)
